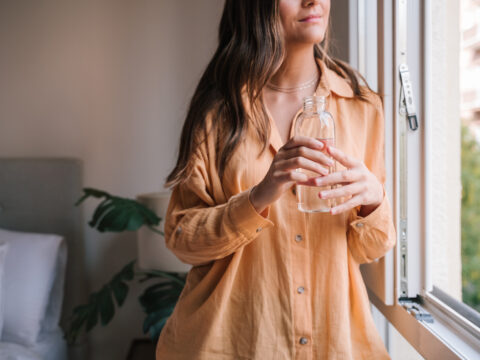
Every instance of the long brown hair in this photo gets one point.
(250, 50)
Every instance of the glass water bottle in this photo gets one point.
(315, 122)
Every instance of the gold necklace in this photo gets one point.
(299, 87)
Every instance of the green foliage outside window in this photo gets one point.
(470, 219)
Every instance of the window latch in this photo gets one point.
(414, 308)
(407, 102)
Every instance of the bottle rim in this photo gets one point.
(314, 102)
(315, 98)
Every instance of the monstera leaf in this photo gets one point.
(159, 300)
(101, 304)
(117, 214)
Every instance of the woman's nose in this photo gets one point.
(310, 2)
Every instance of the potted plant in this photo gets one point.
(117, 214)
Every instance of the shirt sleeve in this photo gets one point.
(372, 236)
(198, 230)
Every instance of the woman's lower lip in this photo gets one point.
(311, 20)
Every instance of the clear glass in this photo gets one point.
(469, 68)
(315, 122)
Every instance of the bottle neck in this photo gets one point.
(312, 104)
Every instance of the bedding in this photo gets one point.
(37, 195)
(50, 346)
(3, 253)
(12, 351)
(29, 277)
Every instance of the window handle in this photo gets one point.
(407, 101)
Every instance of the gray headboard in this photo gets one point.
(38, 195)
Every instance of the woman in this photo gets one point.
(269, 281)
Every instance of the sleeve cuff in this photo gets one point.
(245, 217)
(376, 219)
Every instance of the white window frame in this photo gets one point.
(450, 336)
(379, 276)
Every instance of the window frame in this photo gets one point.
(450, 336)
(379, 275)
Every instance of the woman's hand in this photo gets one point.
(299, 152)
(357, 181)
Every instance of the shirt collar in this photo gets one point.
(330, 81)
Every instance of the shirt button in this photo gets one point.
(179, 230)
(359, 224)
(303, 340)
(259, 229)
(301, 290)
(298, 238)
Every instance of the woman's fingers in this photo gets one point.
(347, 205)
(338, 177)
(290, 176)
(343, 191)
(302, 163)
(308, 153)
(303, 141)
(344, 159)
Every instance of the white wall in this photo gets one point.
(106, 81)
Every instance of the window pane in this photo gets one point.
(455, 137)
(470, 114)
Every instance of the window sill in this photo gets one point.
(455, 330)
(442, 339)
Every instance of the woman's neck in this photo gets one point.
(298, 67)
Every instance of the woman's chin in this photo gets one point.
(309, 39)
(313, 34)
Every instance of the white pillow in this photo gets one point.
(28, 279)
(11, 351)
(3, 253)
(55, 301)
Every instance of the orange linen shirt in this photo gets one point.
(285, 285)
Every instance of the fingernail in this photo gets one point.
(320, 144)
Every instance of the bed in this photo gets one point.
(42, 275)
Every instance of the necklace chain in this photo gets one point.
(302, 86)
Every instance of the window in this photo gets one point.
(455, 200)
(453, 282)
(427, 291)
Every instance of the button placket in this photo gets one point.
(301, 300)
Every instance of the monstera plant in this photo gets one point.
(117, 214)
